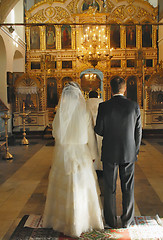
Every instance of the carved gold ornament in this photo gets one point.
(50, 12)
(119, 12)
(38, 17)
(130, 10)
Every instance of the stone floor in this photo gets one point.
(23, 182)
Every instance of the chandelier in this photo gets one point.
(94, 47)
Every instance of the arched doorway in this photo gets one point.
(92, 79)
(18, 62)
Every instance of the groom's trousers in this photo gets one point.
(126, 174)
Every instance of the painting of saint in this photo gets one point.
(90, 3)
(115, 36)
(115, 63)
(66, 37)
(52, 97)
(131, 63)
(130, 36)
(146, 36)
(35, 65)
(29, 105)
(66, 64)
(132, 88)
(16, 75)
(35, 37)
(50, 37)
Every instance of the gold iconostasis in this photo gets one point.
(55, 38)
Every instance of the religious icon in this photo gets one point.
(66, 64)
(130, 36)
(146, 36)
(115, 36)
(131, 63)
(90, 3)
(16, 75)
(35, 37)
(115, 63)
(66, 37)
(132, 88)
(29, 105)
(50, 37)
(52, 97)
(35, 65)
(149, 62)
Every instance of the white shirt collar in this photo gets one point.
(118, 94)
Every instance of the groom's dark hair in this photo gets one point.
(117, 83)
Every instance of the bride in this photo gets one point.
(73, 204)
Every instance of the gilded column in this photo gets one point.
(139, 36)
(59, 85)
(42, 37)
(123, 36)
(108, 35)
(78, 36)
(27, 31)
(147, 90)
(73, 37)
(154, 36)
(58, 37)
(139, 90)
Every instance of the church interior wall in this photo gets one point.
(16, 15)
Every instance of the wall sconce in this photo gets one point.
(11, 29)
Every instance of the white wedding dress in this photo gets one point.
(73, 198)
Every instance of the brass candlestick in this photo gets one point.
(7, 156)
(23, 116)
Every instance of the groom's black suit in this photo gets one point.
(119, 122)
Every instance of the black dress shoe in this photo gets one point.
(127, 225)
(106, 226)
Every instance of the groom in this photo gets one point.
(119, 122)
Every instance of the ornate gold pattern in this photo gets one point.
(119, 12)
(50, 2)
(70, 6)
(61, 13)
(50, 12)
(130, 10)
(143, 13)
(130, 1)
(110, 5)
(38, 17)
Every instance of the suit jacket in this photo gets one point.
(119, 122)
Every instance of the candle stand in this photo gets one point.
(23, 115)
(7, 156)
